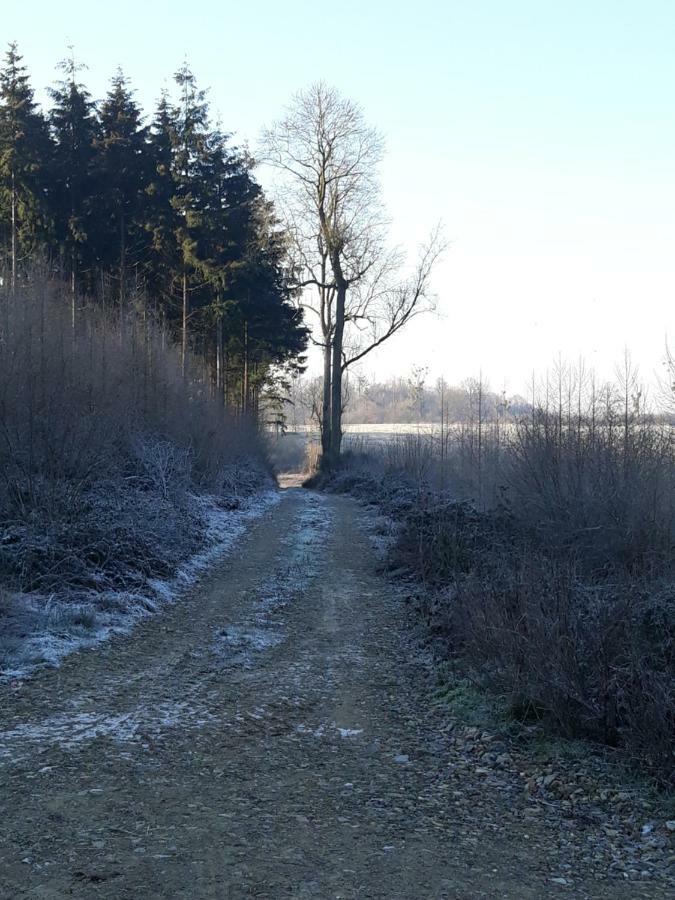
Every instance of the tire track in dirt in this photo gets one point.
(270, 735)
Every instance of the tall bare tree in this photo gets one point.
(329, 156)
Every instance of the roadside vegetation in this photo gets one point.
(117, 469)
(151, 320)
(544, 548)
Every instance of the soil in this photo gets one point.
(272, 735)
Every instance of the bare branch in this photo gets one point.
(388, 309)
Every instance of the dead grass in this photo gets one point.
(547, 561)
(105, 449)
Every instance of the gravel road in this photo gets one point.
(271, 735)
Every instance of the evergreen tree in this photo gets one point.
(176, 200)
(124, 165)
(24, 150)
(74, 130)
(216, 249)
(189, 198)
(275, 333)
(161, 219)
(240, 258)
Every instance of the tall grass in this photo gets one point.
(548, 550)
(104, 444)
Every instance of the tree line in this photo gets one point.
(408, 399)
(164, 218)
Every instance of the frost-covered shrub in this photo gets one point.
(105, 446)
(562, 595)
(165, 467)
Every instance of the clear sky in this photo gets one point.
(541, 132)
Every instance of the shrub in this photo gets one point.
(547, 555)
(103, 445)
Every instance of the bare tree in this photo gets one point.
(667, 382)
(330, 197)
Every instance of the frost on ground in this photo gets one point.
(322, 767)
(294, 567)
(329, 729)
(259, 627)
(39, 629)
(382, 532)
(69, 731)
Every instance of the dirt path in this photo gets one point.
(269, 736)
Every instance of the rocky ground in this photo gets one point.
(278, 733)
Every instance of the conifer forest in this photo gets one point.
(162, 220)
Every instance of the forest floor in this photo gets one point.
(275, 734)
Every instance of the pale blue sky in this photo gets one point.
(542, 133)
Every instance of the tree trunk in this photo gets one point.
(183, 344)
(336, 381)
(14, 248)
(245, 391)
(123, 273)
(147, 368)
(73, 304)
(326, 329)
(219, 358)
(325, 407)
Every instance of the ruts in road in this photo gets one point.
(272, 734)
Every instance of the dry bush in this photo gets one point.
(595, 660)
(605, 493)
(103, 444)
(547, 550)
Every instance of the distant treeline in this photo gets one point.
(564, 390)
(166, 217)
(406, 400)
(411, 400)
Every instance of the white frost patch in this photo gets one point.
(328, 730)
(223, 529)
(382, 532)
(312, 523)
(239, 643)
(305, 729)
(52, 628)
(57, 627)
(69, 731)
(295, 566)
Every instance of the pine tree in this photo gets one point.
(278, 331)
(24, 150)
(266, 329)
(161, 219)
(215, 247)
(74, 130)
(176, 200)
(248, 319)
(124, 165)
(190, 152)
